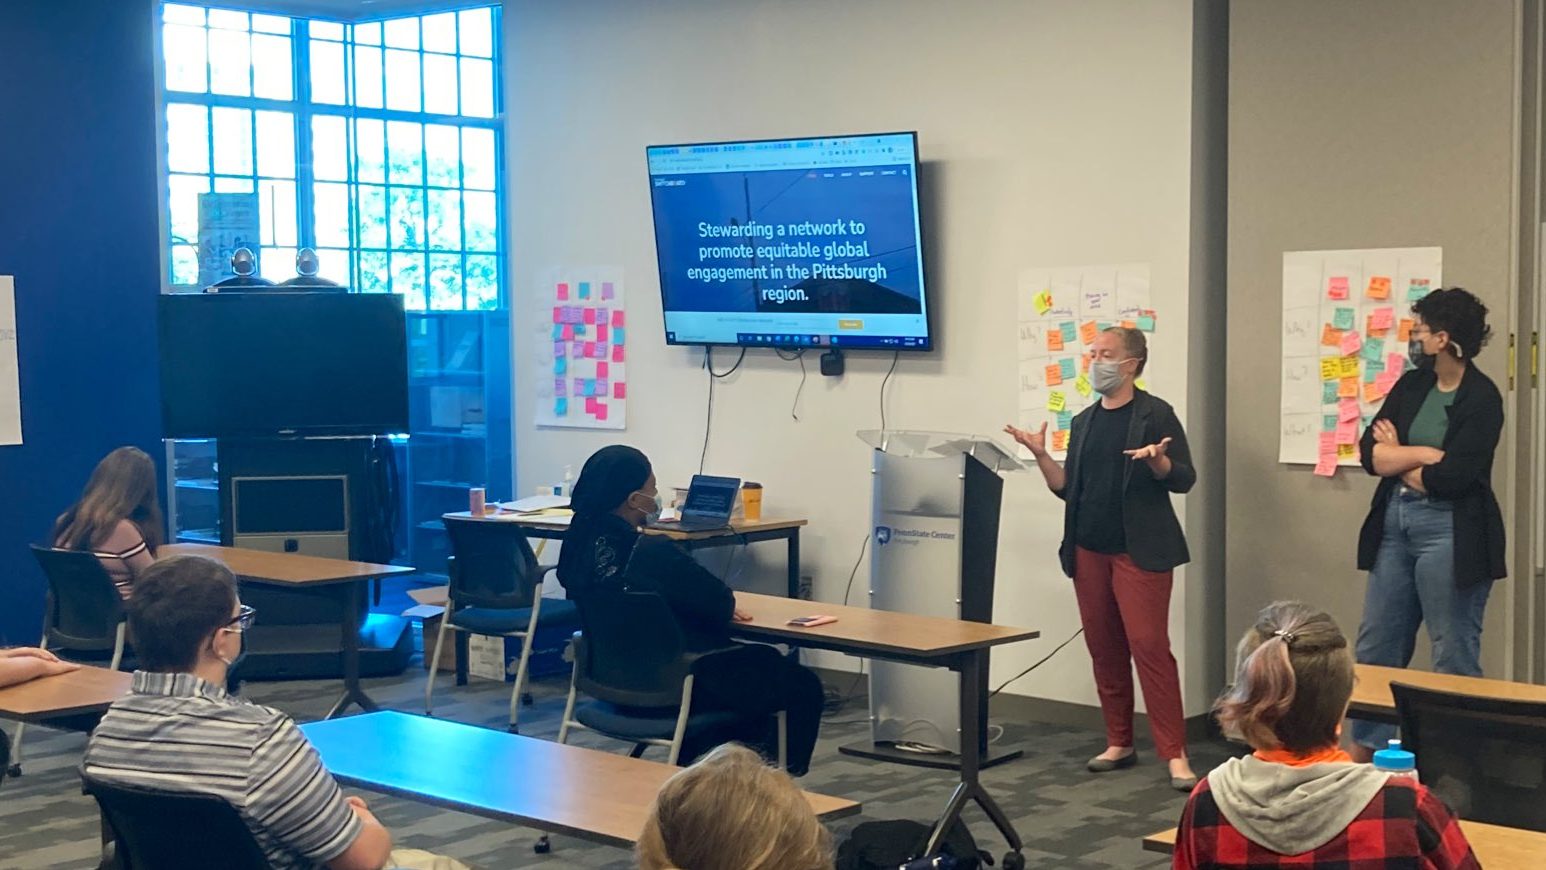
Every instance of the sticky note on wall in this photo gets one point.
(1379, 287)
(1054, 375)
(1337, 287)
(1056, 401)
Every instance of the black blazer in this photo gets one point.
(1154, 538)
(1464, 476)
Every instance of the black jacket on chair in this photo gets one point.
(1154, 538)
(1463, 476)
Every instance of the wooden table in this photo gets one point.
(1496, 847)
(1372, 698)
(84, 690)
(739, 532)
(572, 790)
(293, 570)
(931, 641)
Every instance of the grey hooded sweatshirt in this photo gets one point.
(1292, 810)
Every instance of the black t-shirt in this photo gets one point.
(1098, 509)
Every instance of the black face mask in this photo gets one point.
(1414, 351)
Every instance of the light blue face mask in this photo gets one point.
(652, 516)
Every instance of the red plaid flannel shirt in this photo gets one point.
(1404, 826)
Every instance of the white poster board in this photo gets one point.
(580, 346)
(1346, 319)
(1062, 309)
(10, 380)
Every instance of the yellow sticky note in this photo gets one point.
(1082, 384)
(1056, 402)
(1044, 302)
(1347, 451)
(1349, 367)
(1331, 368)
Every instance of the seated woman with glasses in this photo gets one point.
(605, 552)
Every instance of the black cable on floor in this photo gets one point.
(1037, 664)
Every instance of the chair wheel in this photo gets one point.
(1014, 861)
(542, 846)
(527, 699)
(513, 728)
(13, 770)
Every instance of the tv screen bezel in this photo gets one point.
(926, 344)
(290, 431)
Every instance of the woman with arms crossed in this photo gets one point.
(1433, 540)
(1121, 543)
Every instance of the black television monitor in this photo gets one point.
(283, 363)
(791, 242)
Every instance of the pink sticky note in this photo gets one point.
(1337, 287)
(1328, 443)
(1350, 343)
(606, 290)
(1382, 318)
(1347, 433)
(1327, 467)
(617, 317)
(1347, 411)
(601, 332)
(590, 315)
(601, 411)
(568, 332)
(563, 291)
(1395, 363)
(601, 370)
(1384, 381)
(617, 353)
(590, 349)
(558, 314)
(619, 390)
(590, 404)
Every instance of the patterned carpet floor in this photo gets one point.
(1067, 817)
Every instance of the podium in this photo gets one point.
(935, 515)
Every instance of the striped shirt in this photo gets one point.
(176, 732)
(124, 555)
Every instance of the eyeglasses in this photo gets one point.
(243, 619)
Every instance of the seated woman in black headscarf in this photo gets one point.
(604, 552)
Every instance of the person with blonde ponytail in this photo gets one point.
(731, 811)
(1298, 795)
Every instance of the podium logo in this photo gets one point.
(882, 535)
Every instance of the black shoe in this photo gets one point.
(1183, 783)
(1106, 765)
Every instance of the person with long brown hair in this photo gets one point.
(118, 517)
(1299, 794)
(730, 811)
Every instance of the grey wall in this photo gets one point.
(1381, 123)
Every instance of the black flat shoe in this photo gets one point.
(1106, 765)
(1183, 783)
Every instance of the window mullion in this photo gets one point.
(305, 177)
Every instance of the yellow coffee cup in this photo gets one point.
(751, 501)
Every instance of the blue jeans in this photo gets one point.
(1413, 582)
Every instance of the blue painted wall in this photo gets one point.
(79, 229)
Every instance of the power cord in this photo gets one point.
(708, 423)
(1038, 664)
(895, 355)
(795, 355)
(837, 700)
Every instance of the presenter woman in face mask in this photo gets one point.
(1433, 540)
(1121, 542)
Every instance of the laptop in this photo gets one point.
(709, 503)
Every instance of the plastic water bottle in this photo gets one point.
(568, 481)
(1396, 761)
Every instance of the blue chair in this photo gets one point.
(633, 662)
(496, 591)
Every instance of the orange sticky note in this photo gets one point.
(1371, 392)
(1374, 331)
(1404, 330)
(1129, 324)
(1347, 388)
(1088, 331)
(1330, 336)
(1060, 440)
(1054, 340)
(1054, 375)
(1379, 287)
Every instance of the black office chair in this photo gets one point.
(159, 830)
(1485, 757)
(83, 614)
(5, 755)
(496, 590)
(632, 660)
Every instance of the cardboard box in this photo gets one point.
(429, 611)
(488, 657)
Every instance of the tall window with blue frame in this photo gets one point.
(377, 144)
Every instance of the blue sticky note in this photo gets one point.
(590, 386)
(560, 407)
(1102, 326)
(1070, 332)
(1065, 420)
(560, 365)
(1374, 350)
(1146, 322)
(579, 330)
(1328, 392)
(1067, 366)
(1343, 319)
(1329, 423)
(618, 335)
(1367, 419)
(584, 289)
(558, 332)
(1370, 372)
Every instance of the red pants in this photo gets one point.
(1126, 612)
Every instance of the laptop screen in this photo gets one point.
(711, 496)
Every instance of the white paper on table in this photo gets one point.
(10, 381)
